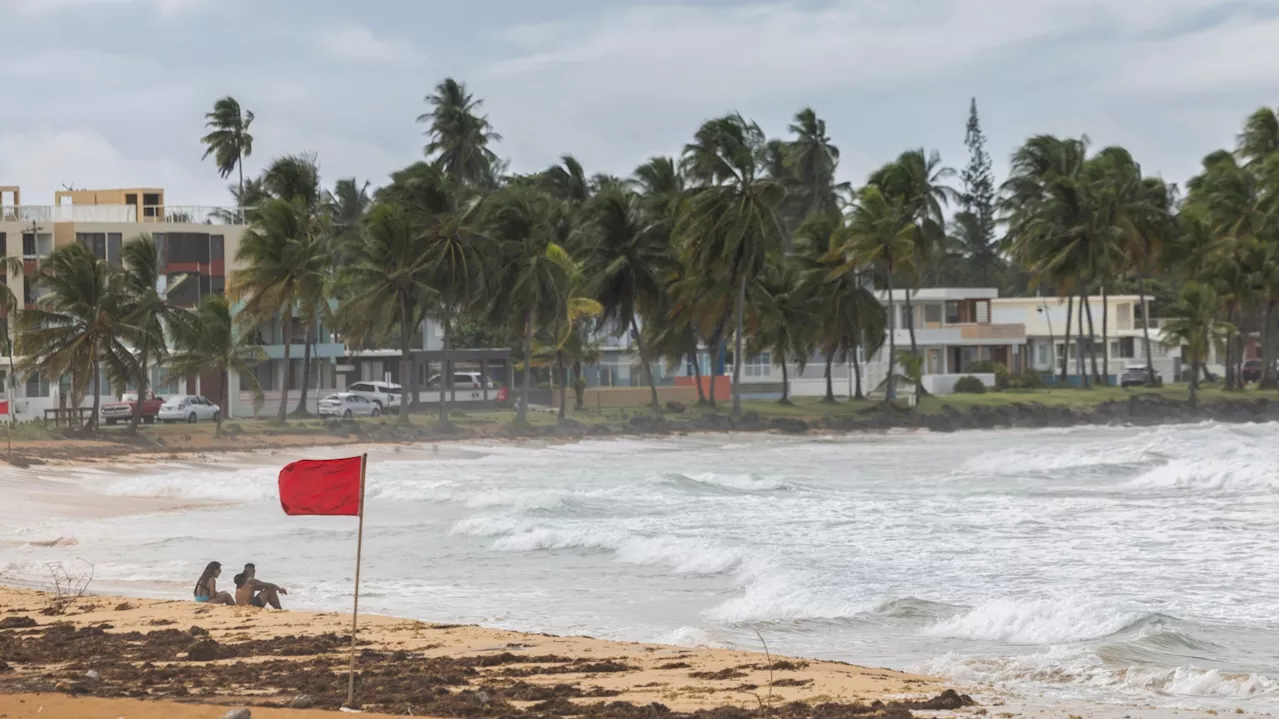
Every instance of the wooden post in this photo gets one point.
(355, 606)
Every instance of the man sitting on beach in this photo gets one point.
(256, 593)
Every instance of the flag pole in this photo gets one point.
(355, 606)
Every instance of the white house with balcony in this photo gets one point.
(954, 331)
(1045, 319)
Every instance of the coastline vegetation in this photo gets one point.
(737, 241)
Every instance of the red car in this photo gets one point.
(1251, 371)
(122, 411)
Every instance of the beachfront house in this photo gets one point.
(954, 331)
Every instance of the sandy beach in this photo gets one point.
(173, 654)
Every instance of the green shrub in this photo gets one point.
(991, 367)
(1029, 380)
(969, 384)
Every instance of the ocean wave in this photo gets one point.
(1230, 470)
(1060, 666)
(684, 555)
(713, 483)
(912, 607)
(687, 636)
(779, 596)
(1034, 622)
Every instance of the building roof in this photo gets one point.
(941, 293)
(1063, 300)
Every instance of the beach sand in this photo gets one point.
(142, 650)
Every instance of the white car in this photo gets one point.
(347, 405)
(384, 394)
(189, 408)
(461, 381)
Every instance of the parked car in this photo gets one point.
(461, 381)
(189, 408)
(347, 405)
(384, 394)
(122, 411)
(1251, 371)
(1139, 376)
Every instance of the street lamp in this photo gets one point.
(1053, 345)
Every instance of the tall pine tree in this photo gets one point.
(976, 221)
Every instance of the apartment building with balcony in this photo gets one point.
(195, 243)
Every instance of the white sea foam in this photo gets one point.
(1223, 472)
(1038, 621)
(1063, 667)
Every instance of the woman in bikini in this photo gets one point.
(207, 586)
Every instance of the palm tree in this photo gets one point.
(813, 159)
(386, 283)
(1193, 323)
(730, 225)
(229, 140)
(206, 340)
(916, 183)
(10, 308)
(628, 262)
(454, 268)
(531, 278)
(459, 136)
(281, 257)
(78, 326)
(880, 236)
(787, 309)
(148, 310)
(294, 178)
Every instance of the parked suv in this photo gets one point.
(384, 394)
(1251, 371)
(461, 381)
(1139, 376)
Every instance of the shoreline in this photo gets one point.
(166, 651)
(1007, 412)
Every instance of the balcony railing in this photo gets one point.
(191, 214)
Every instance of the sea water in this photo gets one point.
(1136, 565)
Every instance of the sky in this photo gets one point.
(112, 93)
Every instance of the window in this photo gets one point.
(933, 314)
(907, 322)
(984, 311)
(28, 244)
(360, 387)
(953, 312)
(184, 289)
(1042, 354)
(95, 242)
(37, 386)
(216, 248)
(4, 244)
(1127, 350)
(185, 247)
(113, 247)
(758, 366)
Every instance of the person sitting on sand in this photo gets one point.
(254, 592)
(207, 586)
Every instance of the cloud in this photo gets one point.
(164, 7)
(354, 42)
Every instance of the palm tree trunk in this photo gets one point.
(446, 372)
(1093, 351)
(1066, 341)
(223, 402)
(1146, 332)
(915, 352)
(1194, 384)
(717, 341)
(1229, 374)
(857, 375)
(142, 390)
(786, 396)
(1106, 346)
(697, 372)
(406, 357)
(890, 392)
(831, 393)
(1084, 378)
(1268, 380)
(648, 370)
(288, 367)
(522, 412)
(740, 303)
(97, 393)
(301, 409)
(564, 382)
(579, 386)
(240, 199)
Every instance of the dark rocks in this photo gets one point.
(202, 651)
(302, 701)
(788, 425)
(198, 631)
(677, 407)
(947, 700)
(17, 623)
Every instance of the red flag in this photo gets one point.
(315, 486)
